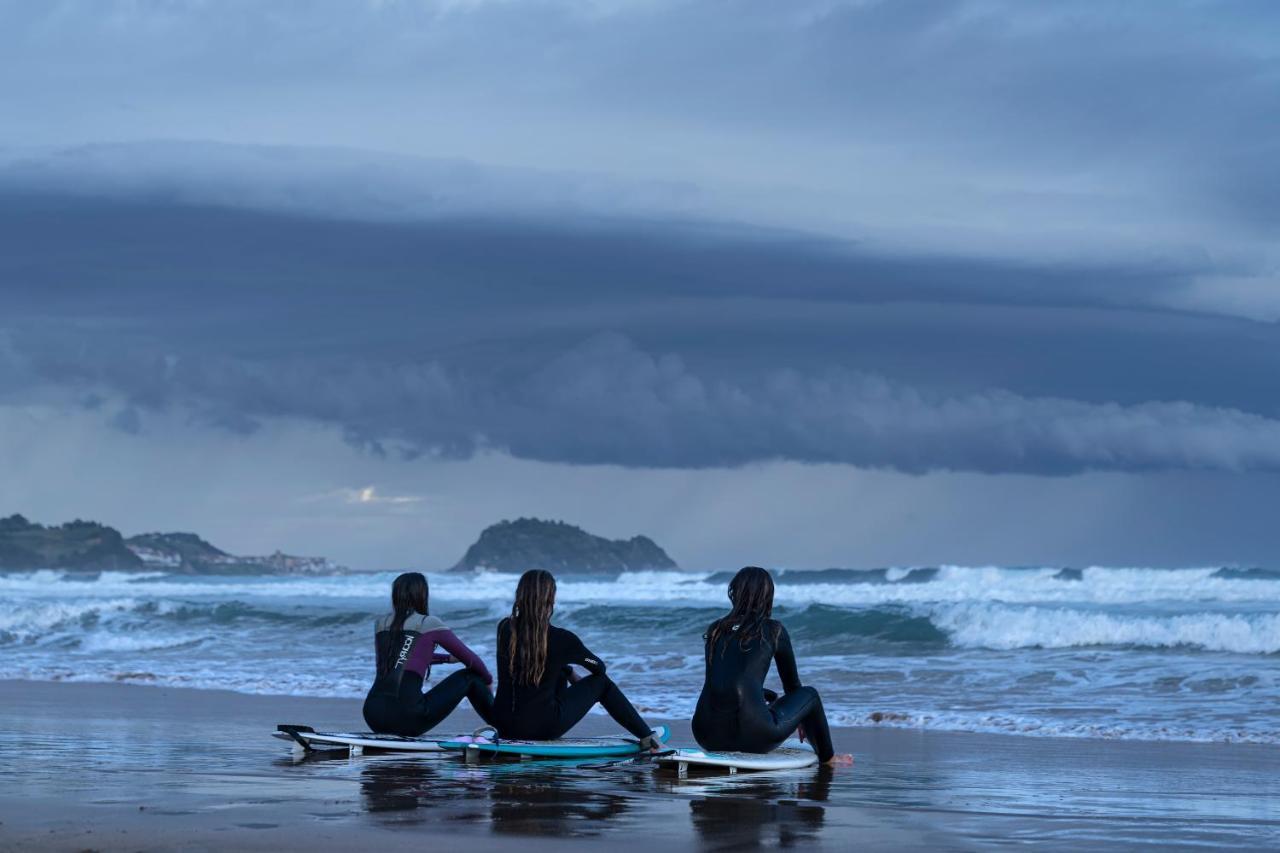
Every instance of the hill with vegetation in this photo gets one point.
(74, 546)
(531, 543)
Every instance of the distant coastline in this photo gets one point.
(81, 546)
(88, 546)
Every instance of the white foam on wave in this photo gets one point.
(138, 642)
(1013, 724)
(34, 620)
(1000, 626)
(951, 584)
(1096, 586)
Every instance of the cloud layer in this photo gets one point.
(917, 236)
(961, 125)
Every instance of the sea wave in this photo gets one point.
(999, 626)
(29, 621)
(1027, 725)
(1096, 585)
(1178, 654)
(823, 629)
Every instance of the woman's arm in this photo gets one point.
(583, 657)
(785, 660)
(459, 650)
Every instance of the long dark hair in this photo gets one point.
(529, 626)
(751, 593)
(409, 594)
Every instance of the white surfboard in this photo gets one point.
(357, 742)
(783, 758)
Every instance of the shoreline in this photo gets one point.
(1030, 733)
(155, 767)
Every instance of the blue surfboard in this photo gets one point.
(583, 747)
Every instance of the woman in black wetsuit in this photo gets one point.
(735, 712)
(539, 695)
(405, 641)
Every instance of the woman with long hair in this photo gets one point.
(736, 712)
(405, 642)
(539, 695)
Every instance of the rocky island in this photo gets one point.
(531, 543)
(87, 546)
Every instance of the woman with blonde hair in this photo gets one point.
(539, 696)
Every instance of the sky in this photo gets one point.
(807, 284)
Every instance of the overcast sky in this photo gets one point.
(805, 283)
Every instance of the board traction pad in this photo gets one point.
(783, 758)
(585, 747)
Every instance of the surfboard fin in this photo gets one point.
(292, 731)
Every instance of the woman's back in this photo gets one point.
(405, 642)
(563, 649)
(415, 642)
(735, 711)
(736, 670)
(539, 696)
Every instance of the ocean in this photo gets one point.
(1126, 653)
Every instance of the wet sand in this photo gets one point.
(123, 767)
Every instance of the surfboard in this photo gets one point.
(583, 747)
(783, 758)
(305, 738)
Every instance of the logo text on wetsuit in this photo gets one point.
(404, 651)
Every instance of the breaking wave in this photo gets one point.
(1185, 654)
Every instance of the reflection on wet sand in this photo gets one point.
(762, 811)
(598, 799)
(538, 799)
(570, 799)
(405, 791)
(552, 807)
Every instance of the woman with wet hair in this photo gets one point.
(405, 641)
(539, 695)
(735, 712)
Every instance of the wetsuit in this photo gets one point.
(548, 709)
(396, 704)
(736, 713)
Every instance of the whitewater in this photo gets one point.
(1132, 653)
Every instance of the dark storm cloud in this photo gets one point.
(640, 344)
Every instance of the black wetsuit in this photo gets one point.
(736, 713)
(548, 709)
(396, 704)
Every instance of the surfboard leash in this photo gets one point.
(631, 759)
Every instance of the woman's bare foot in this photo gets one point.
(838, 760)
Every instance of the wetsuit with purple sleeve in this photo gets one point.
(396, 704)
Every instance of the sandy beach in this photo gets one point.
(125, 767)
